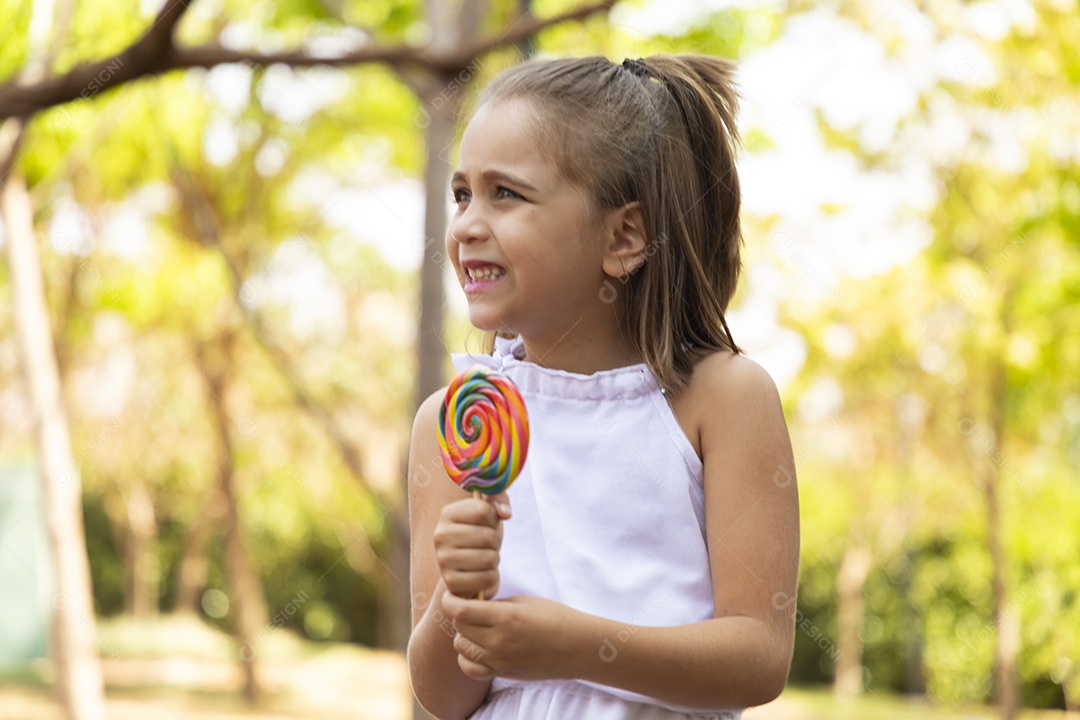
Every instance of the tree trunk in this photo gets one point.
(1006, 617)
(1069, 686)
(854, 569)
(432, 352)
(192, 573)
(74, 636)
(441, 99)
(442, 108)
(987, 458)
(248, 606)
(909, 420)
(142, 584)
(395, 609)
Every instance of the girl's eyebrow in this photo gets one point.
(494, 176)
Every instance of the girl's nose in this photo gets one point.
(470, 225)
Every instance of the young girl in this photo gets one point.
(643, 564)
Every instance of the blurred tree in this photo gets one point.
(250, 614)
(972, 336)
(78, 686)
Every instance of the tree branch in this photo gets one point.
(161, 34)
(155, 54)
(151, 54)
(525, 26)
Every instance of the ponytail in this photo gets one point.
(703, 92)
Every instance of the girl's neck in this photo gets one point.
(581, 351)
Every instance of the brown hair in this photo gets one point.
(662, 132)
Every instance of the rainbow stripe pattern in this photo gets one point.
(483, 430)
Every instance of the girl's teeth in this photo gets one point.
(486, 273)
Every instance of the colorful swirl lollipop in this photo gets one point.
(483, 431)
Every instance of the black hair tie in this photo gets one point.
(637, 67)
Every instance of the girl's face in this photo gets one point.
(516, 213)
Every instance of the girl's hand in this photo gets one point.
(467, 541)
(523, 637)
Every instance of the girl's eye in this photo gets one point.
(461, 195)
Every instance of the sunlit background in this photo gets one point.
(232, 261)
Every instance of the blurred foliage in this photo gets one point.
(890, 413)
(906, 363)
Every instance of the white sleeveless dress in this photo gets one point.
(608, 518)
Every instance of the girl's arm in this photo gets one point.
(742, 656)
(437, 680)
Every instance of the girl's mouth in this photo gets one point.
(481, 284)
(478, 280)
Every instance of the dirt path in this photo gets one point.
(343, 682)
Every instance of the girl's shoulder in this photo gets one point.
(723, 388)
(723, 370)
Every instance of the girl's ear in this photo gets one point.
(624, 240)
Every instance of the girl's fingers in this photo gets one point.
(501, 503)
(455, 535)
(471, 658)
(475, 670)
(470, 559)
(471, 511)
(466, 612)
(468, 584)
(469, 649)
